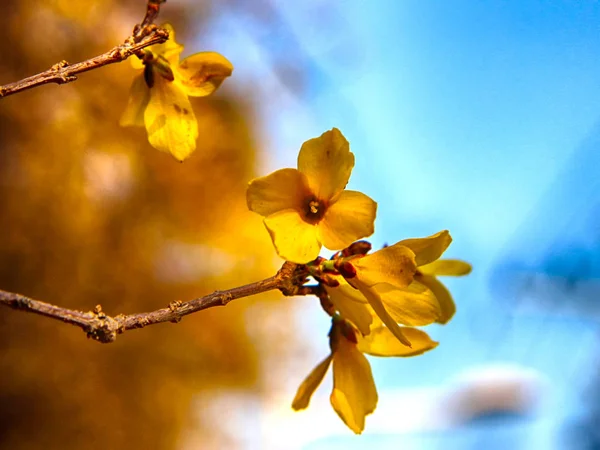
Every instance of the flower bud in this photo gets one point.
(357, 248)
(345, 268)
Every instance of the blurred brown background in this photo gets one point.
(91, 214)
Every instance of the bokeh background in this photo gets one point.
(477, 117)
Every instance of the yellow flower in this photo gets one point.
(159, 94)
(354, 395)
(308, 207)
(414, 305)
(351, 305)
(387, 279)
(426, 275)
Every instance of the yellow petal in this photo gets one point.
(354, 394)
(169, 49)
(136, 63)
(343, 299)
(310, 384)
(414, 305)
(447, 306)
(377, 305)
(349, 292)
(430, 248)
(139, 96)
(282, 189)
(294, 239)
(452, 267)
(327, 163)
(202, 73)
(350, 218)
(394, 265)
(381, 342)
(170, 120)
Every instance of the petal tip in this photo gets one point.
(299, 406)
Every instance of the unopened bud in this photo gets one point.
(345, 268)
(357, 248)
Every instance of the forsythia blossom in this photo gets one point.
(397, 282)
(159, 94)
(387, 280)
(308, 207)
(354, 395)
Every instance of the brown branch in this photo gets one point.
(144, 35)
(152, 10)
(104, 328)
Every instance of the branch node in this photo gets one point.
(104, 329)
(148, 30)
(59, 66)
(67, 79)
(174, 305)
(141, 322)
(21, 302)
(224, 297)
(98, 312)
(292, 276)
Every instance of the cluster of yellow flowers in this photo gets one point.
(375, 299)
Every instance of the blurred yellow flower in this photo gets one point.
(354, 395)
(159, 94)
(308, 207)
(387, 280)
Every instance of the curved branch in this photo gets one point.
(144, 35)
(103, 328)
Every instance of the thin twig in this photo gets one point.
(144, 35)
(104, 328)
(152, 10)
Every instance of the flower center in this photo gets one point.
(156, 64)
(313, 209)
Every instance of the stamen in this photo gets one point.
(314, 209)
(314, 206)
